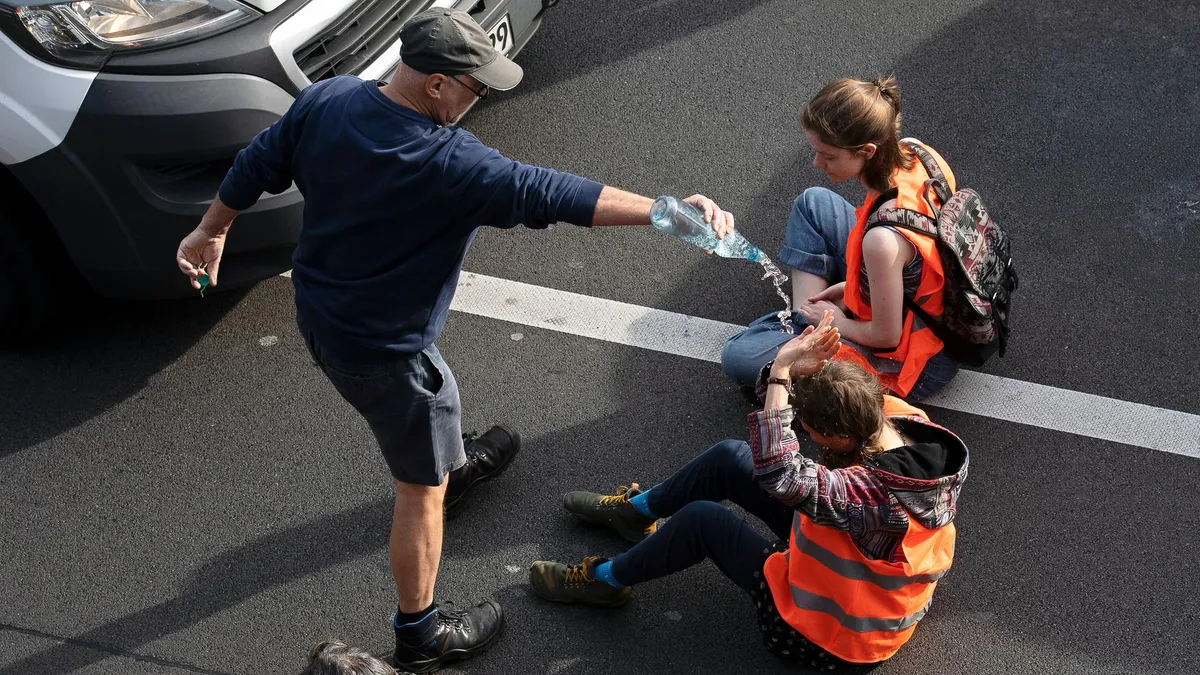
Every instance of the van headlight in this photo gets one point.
(85, 29)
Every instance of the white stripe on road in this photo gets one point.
(1001, 398)
(1037, 405)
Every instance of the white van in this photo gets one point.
(119, 119)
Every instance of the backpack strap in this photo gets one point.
(937, 179)
(906, 218)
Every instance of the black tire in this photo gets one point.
(37, 279)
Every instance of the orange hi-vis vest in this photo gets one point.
(859, 610)
(918, 344)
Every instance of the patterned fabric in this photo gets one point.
(977, 261)
(850, 499)
(871, 505)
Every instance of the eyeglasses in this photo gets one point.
(481, 93)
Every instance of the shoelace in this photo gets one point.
(469, 445)
(621, 497)
(577, 574)
(448, 615)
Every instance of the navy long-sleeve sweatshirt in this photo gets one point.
(391, 203)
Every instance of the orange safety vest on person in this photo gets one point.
(859, 610)
(918, 344)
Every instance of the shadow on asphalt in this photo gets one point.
(228, 580)
(104, 356)
(1027, 93)
(1022, 94)
(617, 30)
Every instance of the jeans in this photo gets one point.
(700, 528)
(815, 242)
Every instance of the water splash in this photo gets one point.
(673, 216)
(778, 278)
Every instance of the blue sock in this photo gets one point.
(642, 504)
(415, 632)
(603, 572)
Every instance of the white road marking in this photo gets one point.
(1037, 405)
(1001, 398)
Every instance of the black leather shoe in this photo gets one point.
(487, 457)
(457, 634)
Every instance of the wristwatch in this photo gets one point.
(787, 383)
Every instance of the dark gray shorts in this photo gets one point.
(411, 404)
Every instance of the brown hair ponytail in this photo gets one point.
(849, 113)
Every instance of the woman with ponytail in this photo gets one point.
(859, 539)
(869, 277)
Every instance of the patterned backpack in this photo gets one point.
(979, 271)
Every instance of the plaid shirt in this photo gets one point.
(852, 499)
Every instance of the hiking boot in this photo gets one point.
(613, 511)
(557, 582)
(487, 457)
(457, 634)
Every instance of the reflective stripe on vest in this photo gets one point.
(858, 609)
(858, 624)
(853, 569)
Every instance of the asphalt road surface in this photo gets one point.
(181, 491)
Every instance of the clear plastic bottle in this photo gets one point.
(677, 218)
(680, 219)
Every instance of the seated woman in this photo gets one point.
(867, 533)
(864, 275)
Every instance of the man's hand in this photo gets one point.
(809, 352)
(722, 221)
(200, 253)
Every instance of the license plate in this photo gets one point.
(501, 35)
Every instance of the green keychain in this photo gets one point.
(203, 281)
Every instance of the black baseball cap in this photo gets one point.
(451, 43)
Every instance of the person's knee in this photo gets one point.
(698, 513)
(730, 454)
(810, 200)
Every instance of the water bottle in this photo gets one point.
(676, 217)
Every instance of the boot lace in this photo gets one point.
(473, 453)
(622, 496)
(578, 574)
(449, 615)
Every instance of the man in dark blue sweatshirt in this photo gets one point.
(394, 193)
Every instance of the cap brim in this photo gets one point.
(501, 74)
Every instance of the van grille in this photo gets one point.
(356, 39)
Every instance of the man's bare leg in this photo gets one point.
(415, 547)
(443, 635)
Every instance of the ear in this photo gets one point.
(868, 151)
(434, 84)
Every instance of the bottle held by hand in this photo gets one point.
(673, 216)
